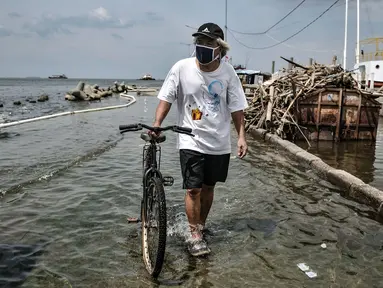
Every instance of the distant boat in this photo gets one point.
(147, 77)
(62, 76)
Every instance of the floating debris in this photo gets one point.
(305, 268)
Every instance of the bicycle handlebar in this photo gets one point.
(139, 126)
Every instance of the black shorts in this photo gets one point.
(198, 168)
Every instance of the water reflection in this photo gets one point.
(355, 157)
(364, 159)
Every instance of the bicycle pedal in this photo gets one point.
(168, 180)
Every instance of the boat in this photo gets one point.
(62, 76)
(147, 77)
(369, 65)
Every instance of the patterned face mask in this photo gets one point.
(205, 54)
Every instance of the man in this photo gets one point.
(208, 94)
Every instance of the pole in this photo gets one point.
(345, 37)
(273, 67)
(226, 20)
(357, 30)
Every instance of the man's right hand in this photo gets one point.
(153, 133)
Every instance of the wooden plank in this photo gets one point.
(358, 116)
(319, 113)
(339, 118)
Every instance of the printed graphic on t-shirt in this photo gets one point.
(196, 114)
(213, 98)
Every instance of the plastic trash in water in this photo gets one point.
(305, 268)
(323, 245)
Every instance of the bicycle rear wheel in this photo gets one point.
(154, 227)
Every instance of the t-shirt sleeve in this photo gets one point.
(169, 89)
(236, 98)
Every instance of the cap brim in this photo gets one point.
(211, 36)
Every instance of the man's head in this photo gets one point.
(210, 44)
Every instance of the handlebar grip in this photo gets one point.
(131, 126)
(184, 129)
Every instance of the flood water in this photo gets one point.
(364, 159)
(70, 183)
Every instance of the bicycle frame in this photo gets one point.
(153, 147)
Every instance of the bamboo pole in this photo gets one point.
(30, 120)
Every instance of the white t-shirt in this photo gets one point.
(205, 101)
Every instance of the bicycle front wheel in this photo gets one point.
(154, 227)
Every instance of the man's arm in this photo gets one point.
(237, 103)
(239, 123)
(167, 95)
(162, 111)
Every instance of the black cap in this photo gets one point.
(210, 30)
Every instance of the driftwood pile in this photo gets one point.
(272, 103)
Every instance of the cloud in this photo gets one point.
(14, 15)
(117, 36)
(4, 32)
(98, 18)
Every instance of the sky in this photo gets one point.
(124, 39)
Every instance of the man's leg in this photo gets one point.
(215, 170)
(193, 208)
(207, 196)
(192, 166)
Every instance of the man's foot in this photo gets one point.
(197, 245)
(198, 248)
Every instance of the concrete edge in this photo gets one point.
(354, 188)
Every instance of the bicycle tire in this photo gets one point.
(154, 266)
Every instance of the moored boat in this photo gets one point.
(62, 76)
(147, 77)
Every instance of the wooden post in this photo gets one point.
(334, 59)
(272, 67)
(311, 61)
(319, 114)
(339, 115)
(290, 67)
(358, 115)
(270, 107)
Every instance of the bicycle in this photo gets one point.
(153, 183)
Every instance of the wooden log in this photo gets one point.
(270, 107)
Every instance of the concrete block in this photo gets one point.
(258, 132)
(306, 157)
(343, 179)
(291, 147)
(367, 194)
(274, 139)
(321, 168)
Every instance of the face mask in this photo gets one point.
(205, 54)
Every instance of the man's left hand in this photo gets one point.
(242, 147)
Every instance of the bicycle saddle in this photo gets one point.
(147, 137)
